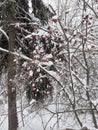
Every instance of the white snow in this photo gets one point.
(32, 101)
(47, 63)
(30, 73)
(47, 56)
(2, 31)
(95, 102)
(45, 117)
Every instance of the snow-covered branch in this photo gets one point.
(4, 33)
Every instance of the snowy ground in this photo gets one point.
(35, 118)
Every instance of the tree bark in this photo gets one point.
(9, 16)
(12, 109)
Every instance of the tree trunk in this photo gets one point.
(9, 16)
(12, 110)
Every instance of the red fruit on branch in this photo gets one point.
(65, 29)
(92, 46)
(94, 54)
(45, 60)
(30, 38)
(89, 23)
(74, 35)
(33, 88)
(17, 26)
(54, 19)
(48, 27)
(76, 72)
(80, 36)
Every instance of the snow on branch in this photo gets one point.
(52, 74)
(4, 33)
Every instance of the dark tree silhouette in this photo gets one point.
(41, 11)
